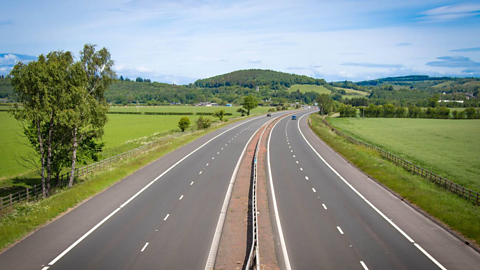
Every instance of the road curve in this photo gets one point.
(163, 216)
(334, 217)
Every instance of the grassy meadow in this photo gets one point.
(122, 132)
(309, 88)
(12, 146)
(447, 147)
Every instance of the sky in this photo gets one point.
(179, 41)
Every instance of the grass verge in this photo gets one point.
(453, 211)
(24, 218)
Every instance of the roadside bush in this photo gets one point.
(184, 123)
(219, 114)
(203, 122)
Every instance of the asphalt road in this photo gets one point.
(334, 217)
(160, 217)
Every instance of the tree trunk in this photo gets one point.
(74, 156)
(42, 158)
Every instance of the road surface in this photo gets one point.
(332, 216)
(164, 216)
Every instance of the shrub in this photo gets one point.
(184, 123)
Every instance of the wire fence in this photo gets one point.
(449, 185)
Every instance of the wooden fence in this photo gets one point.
(455, 188)
(35, 193)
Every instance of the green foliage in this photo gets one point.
(325, 104)
(348, 111)
(252, 78)
(249, 103)
(184, 123)
(203, 122)
(241, 111)
(219, 114)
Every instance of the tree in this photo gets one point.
(44, 88)
(88, 112)
(242, 111)
(325, 104)
(184, 123)
(220, 114)
(249, 103)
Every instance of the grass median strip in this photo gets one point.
(27, 217)
(455, 212)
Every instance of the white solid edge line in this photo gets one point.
(274, 201)
(430, 257)
(364, 265)
(367, 201)
(340, 229)
(144, 247)
(139, 192)
(221, 219)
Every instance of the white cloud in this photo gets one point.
(451, 12)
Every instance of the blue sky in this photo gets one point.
(182, 40)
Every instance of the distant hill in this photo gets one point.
(257, 77)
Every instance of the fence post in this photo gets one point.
(1, 202)
(35, 191)
(19, 198)
(28, 196)
(11, 199)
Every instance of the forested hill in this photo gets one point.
(257, 77)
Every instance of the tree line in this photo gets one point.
(63, 110)
(392, 111)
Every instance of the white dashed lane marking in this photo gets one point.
(191, 183)
(314, 190)
(166, 217)
(200, 172)
(301, 169)
(144, 247)
(306, 177)
(340, 230)
(181, 197)
(324, 206)
(364, 265)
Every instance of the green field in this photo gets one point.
(122, 132)
(353, 92)
(12, 146)
(447, 147)
(309, 88)
(193, 109)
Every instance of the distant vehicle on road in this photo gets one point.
(294, 117)
(268, 114)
